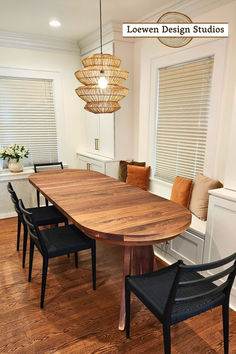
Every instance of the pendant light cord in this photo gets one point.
(101, 24)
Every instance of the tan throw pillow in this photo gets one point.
(138, 176)
(200, 197)
(123, 168)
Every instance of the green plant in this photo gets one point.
(14, 152)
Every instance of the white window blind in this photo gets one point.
(27, 117)
(182, 118)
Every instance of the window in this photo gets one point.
(182, 118)
(27, 117)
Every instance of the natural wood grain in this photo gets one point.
(110, 210)
(78, 320)
(126, 271)
(143, 259)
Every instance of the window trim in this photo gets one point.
(58, 98)
(217, 48)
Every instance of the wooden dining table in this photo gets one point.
(112, 211)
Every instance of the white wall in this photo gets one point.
(230, 173)
(71, 130)
(148, 49)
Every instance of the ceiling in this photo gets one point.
(78, 17)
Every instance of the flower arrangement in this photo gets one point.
(14, 152)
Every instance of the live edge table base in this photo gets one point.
(141, 258)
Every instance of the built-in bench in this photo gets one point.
(189, 245)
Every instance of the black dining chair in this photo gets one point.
(178, 292)
(47, 215)
(56, 242)
(37, 167)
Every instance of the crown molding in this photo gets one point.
(110, 32)
(192, 8)
(113, 30)
(36, 42)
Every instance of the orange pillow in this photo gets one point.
(123, 168)
(181, 191)
(138, 176)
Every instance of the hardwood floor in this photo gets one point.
(78, 320)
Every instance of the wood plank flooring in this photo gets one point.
(78, 320)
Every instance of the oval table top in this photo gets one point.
(107, 209)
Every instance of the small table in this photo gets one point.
(112, 211)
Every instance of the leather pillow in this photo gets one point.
(181, 191)
(200, 197)
(138, 176)
(123, 168)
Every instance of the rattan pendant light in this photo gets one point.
(101, 78)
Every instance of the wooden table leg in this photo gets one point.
(143, 259)
(143, 263)
(126, 271)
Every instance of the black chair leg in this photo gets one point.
(225, 315)
(46, 202)
(167, 338)
(24, 245)
(31, 259)
(93, 254)
(38, 199)
(18, 233)
(76, 259)
(44, 279)
(66, 223)
(127, 310)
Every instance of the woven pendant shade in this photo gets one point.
(101, 100)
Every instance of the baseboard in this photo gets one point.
(163, 256)
(159, 263)
(232, 307)
(11, 214)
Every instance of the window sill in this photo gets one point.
(158, 180)
(7, 175)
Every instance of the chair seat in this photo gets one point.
(47, 215)
(65, 239)
(154, 289)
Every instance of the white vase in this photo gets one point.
(15, 166)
